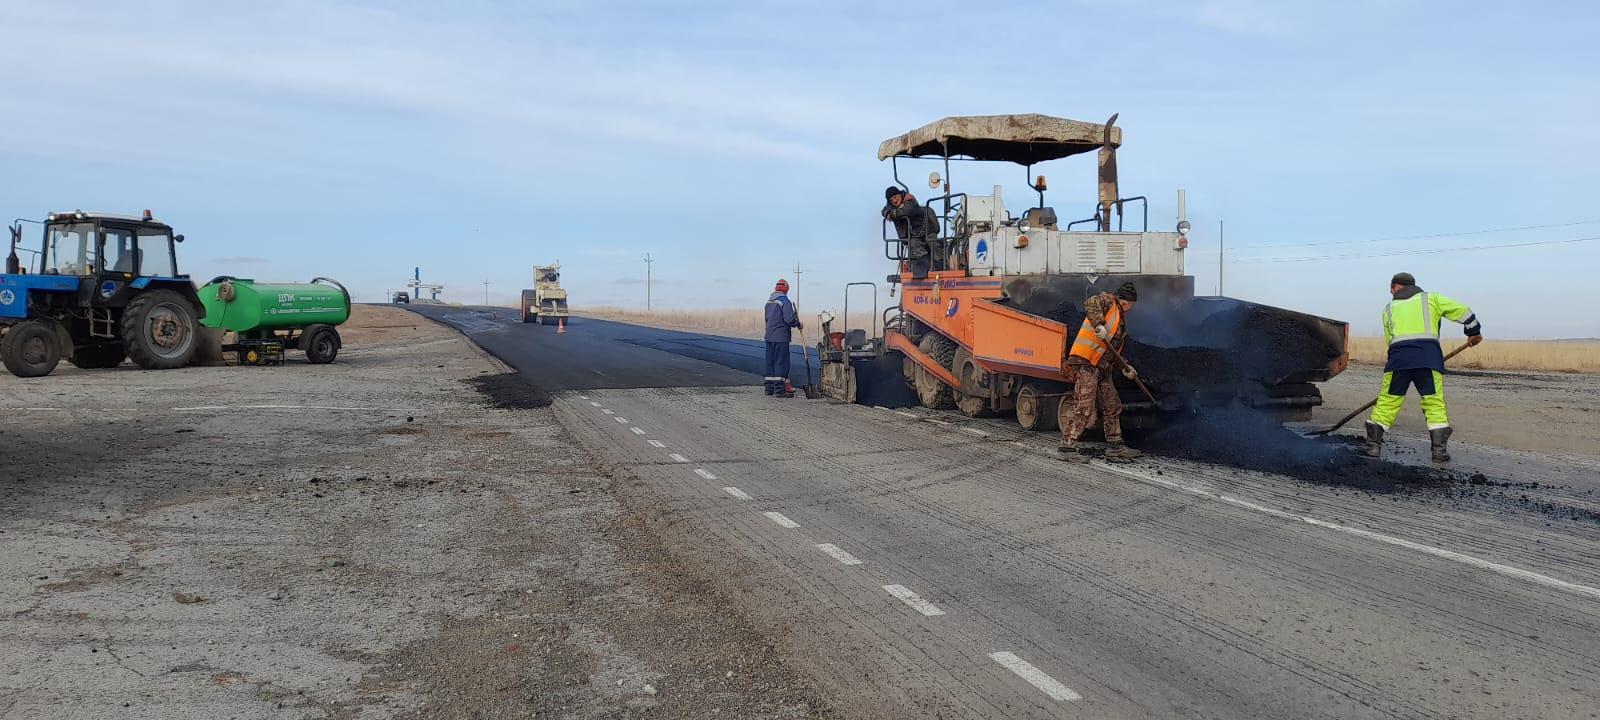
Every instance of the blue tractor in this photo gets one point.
(101, 288)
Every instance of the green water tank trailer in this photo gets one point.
(299, 315)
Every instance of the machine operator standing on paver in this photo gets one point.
(781, 317)
(1089, 363)
(1411, 330)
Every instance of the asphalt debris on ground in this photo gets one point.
(510, 391)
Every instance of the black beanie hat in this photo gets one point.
(890, 192)
(1403, 279)
(1128, 292)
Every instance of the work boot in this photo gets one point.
(1374, 446)
(1118, 452)
(1071, 454)
(767, 387)
(1437, 439)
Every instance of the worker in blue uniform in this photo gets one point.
(781, 318)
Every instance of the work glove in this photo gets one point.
(1100, 332)
(1130, 373)
(1474, 340)
(799, 325)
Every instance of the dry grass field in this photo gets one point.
(1545, 355)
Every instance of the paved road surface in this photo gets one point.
(927, 565)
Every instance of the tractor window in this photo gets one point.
(116, 254)
(68, 250)
(155, 254)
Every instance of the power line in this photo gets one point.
(1429, 251)
(1423, 237)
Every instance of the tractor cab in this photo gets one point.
(100, 287)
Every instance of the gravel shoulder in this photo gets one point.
(400, 534)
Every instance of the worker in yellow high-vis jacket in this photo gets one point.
(1411, 329)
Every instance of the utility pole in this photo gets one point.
(797, 272)
(647, 262)
(1220, 257)
(486, 291)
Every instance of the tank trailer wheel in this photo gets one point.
(107, 355)
(322, 346)
(159, 330)
(30, 349)
(1035, 412)
(931, 391)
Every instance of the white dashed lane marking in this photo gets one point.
(636, 431)
(914, 600)
(976, 431)
(622, 420)
(781, 520)
(906, 414)
(737, 493)
(1035, 677)
(678, 458)
(938, 422)
(583, 397)
(591, 402)
(658, 444)
(834, 552)
(702, 472)
(607, 411)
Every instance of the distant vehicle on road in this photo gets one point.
(546, 303)
(402, 298)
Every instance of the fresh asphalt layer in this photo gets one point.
(923, 564)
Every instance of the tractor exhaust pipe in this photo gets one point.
(13, 264)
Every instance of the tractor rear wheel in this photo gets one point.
(105, 355)
(931, 391)
(159, 330)
(322, 346)
(30, 349)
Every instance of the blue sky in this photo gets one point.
(734, 140)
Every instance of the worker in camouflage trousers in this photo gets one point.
(780, 318)
(1411, 329)
(1089, 364)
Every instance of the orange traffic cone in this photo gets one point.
(561, 326)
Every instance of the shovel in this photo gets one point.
(1135, 378)
(1372, 402)
(812, 392)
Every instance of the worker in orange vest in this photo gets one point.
(1089, 364)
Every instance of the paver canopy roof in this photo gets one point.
(1022, 139)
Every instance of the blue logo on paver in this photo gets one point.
(983, 251)
(107, 289)
(950, 310)
(7, 297)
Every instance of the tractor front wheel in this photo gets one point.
(30, 349)
(108, 355)
(159, 330)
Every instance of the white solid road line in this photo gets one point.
(1593, 593)
(976, 431)
(658, 444)
(737, 493)
(906, 414)
(636, 431)
(834, 552)
(937, 422)
(678, 458)
(781, 520)
(702, 472)
(622, 420)
(607, 411)
(914, 600)
(1035, 677)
